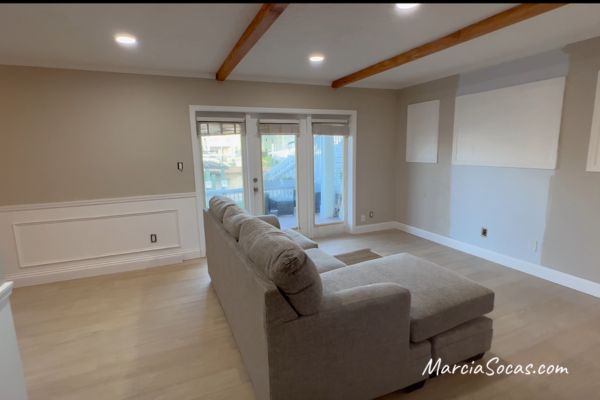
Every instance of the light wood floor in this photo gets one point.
(161, 334)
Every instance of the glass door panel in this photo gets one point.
(222, 167)
(328, 178)
(278, 157)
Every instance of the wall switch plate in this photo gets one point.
(180, 166)
(363, 218)
(484, 232)
(153, 238)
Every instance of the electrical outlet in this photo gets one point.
(371, 214)
(484, 232)
(180, 166)
(363, 218)
(153, 238)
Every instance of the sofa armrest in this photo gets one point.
(270, 219)
(359, 334)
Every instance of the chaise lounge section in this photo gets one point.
(310, 327)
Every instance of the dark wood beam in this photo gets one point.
(491, 24)
(266, 16)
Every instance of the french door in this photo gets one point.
(294, 168)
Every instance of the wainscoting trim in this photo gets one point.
(173, 217)
(23, 264)
(96, 268)
(93, 202)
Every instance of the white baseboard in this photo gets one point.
(540, 271)
(96, 268)
(382, 226)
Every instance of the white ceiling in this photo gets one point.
(193, 39)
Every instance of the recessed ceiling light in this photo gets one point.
(125, 40)
(407, 6)
(316, 58)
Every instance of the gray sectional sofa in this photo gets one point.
(310, 327)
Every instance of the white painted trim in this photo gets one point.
(382, 226)
(34, 277)
(93, 202)
(593, 161)
(549, 274)
(18, 241)
(539, 271)
(5, 291)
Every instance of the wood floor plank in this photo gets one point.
(161, 333)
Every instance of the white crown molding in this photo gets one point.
(93, 202)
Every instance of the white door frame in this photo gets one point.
(349, 184)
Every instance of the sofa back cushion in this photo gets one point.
(233, 218)
(284, 263)
(218, 205)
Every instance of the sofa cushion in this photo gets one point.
(300, 239)
(233, 218)
(284, 262)
(218, 204)
(323, 262)
(270, 219)
(440, 298)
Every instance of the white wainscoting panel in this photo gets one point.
(516, 126)
(58, 241)
(422, 131)
(593, 162)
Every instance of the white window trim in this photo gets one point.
(350, 181)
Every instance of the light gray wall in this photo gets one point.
(572, 239)
(558, 209)
(73, 135)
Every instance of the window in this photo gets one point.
(222, 160)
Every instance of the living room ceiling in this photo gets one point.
(194, 39)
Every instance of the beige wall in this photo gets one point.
(560, 209)
(423, 190)
(72, 135)
(573, 222)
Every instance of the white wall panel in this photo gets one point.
(47, 242)
(422, 131)
(73, 239)
(516, 126)
(593, 162)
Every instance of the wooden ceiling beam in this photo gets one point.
(491, 24)
(266, 16)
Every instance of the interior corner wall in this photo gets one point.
(423, 189)
(572, 236)
(547, 217)
(79, 135)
